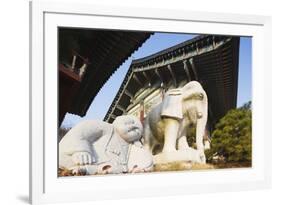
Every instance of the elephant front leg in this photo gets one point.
(182, 143)
(182, 140)
(170, 134)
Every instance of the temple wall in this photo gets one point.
(149, 102)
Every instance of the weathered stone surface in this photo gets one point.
(188, 154)
(97, 147)
(140, 159)
(182, 166)
(168, 123)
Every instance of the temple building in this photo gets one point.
(87, 58)
(211, 60)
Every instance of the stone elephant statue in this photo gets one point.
(168, 122)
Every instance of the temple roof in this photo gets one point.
(105, 50)
(211, 60)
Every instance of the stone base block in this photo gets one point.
(189, 154)
(182, 166)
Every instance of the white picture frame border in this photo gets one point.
(42, 14)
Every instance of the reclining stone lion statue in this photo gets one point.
(169, 122)
(97, 147)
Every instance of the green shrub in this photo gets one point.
(232, 137)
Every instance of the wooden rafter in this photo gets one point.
(159, 75)
(129, 94)
(186, 70)
(173, 75)
(121, 108)
(137, 79)
(191, 61)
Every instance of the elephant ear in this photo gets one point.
(198, 96)
(176, 91)
(193, 94)
(192, 89)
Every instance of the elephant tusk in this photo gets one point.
(201, 96)
(199, 114)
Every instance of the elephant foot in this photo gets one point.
(182, 143)
(190, 155)
(202, 157)
(168, 150)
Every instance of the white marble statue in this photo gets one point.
(169, 122)
(97, 147)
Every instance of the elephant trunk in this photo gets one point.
(200, 131)
(202, 116)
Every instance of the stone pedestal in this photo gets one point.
(182, 166)
(188, 154)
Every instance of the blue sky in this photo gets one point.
(155, 43)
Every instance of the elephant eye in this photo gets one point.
(201, 96)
